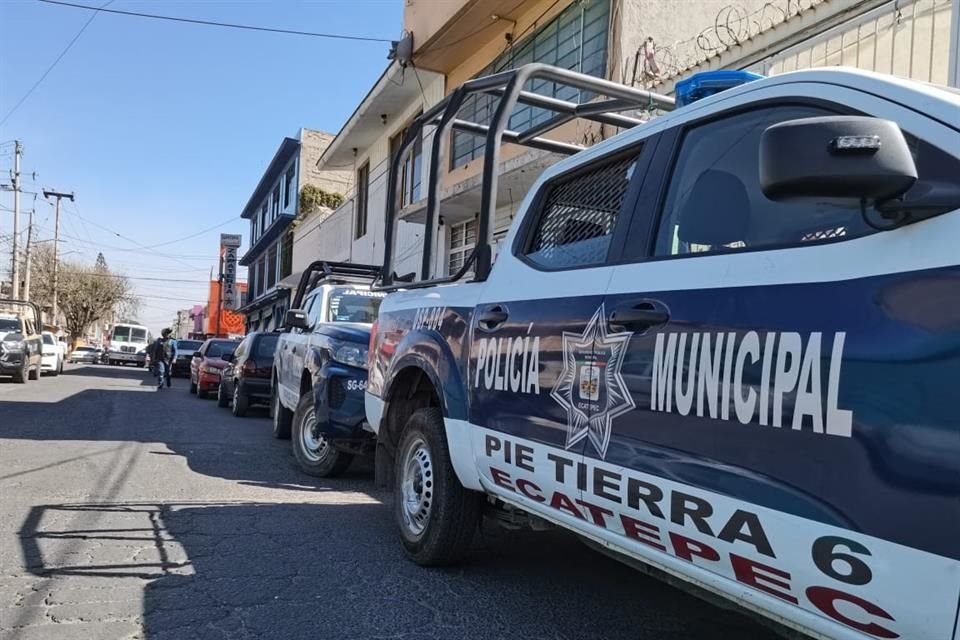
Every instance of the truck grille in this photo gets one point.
(128, 349)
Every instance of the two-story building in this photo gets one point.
(367, 143)
(272, 208)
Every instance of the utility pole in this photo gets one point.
(56, 244)
(15, 272)
(26, 261)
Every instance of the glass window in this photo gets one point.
(138, 335)
(48, 339)
(579, 215)
(272, 266)
(266, 346)
(353, 305)
(288, 188)
(263, 217)
(410, 168)
(312, 307)
(714, 201)
(218, 348)
(276, 202)
(9, 324)
(363, 189)
(576, 39)
(463, 238)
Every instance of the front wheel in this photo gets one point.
(436, 515)
(222, 399)
(314, 453)
(20, 377)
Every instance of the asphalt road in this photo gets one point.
(131, 513)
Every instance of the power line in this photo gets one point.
(59, 57)
(118, 275)
(209, 23)
(193, 235)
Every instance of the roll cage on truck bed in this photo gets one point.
(574, 395)
(508, 86)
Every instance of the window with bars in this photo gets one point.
(276, 202)
(578, 216)
(463, 238)
(576, 39)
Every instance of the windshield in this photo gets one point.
(129, 334)
(354, 305)
(220, 348)
(265, 347)
(48, 339)
(9, 324)
(85, 349)
(184, 346)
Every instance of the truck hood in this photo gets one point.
(348, 331)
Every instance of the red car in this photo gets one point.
(207, 363)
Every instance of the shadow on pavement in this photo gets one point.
(335, 571)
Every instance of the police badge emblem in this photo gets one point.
(590, 386)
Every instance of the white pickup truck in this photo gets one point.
(722, 346)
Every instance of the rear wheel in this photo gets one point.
(282, 417)
(314, 453)
(437, 516)
(240, 401)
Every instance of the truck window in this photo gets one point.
(9, 324)
(714, 201)
(48, 339)
(353, 305)
(578, 216)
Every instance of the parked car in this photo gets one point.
(320, 370)
(207, 364)
(52, 355)
(245, 380)
(721, 346)
(183, 351)
(21, 347)
(86, 355)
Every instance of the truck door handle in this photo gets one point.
(493, 317)
(294, 350)
(642, 315)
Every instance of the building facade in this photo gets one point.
(367, 143)
(272, 208)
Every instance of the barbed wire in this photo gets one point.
(733, 25)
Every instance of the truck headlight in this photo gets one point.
(14, 346)
(349, 353)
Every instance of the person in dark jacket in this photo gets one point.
(161, 357)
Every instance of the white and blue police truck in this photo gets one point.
(722, 345)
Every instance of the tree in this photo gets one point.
(85, 294)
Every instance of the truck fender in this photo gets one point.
(433, 358)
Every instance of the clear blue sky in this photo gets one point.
(163, 129)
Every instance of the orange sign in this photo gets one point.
(231, 322)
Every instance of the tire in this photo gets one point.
(282, 417)
(315, 456)
(193, 386)
(57, 369)
(222, 399)
(240, 401)
(203, 395)
(21, 376)
(437, 517)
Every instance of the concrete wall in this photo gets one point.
(312, 145)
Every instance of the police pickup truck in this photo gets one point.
(320, 367)
(722, 345)
(21, 345)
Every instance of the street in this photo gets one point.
(131, 513)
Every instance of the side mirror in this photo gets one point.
(227, 357)
(835, 157)
(197, 354)
(296, 319)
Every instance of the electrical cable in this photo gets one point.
(36, 84)
(210, 23)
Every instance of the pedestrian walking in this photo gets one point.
(161, 355)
